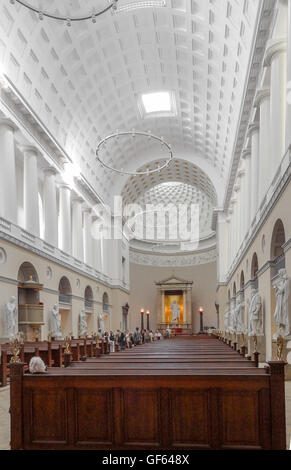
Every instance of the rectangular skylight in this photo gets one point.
(159, 102)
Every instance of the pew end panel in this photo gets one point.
(64, 409)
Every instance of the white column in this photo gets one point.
(50, 207)
(254, 136)
(265, 165)
(288, 114)
(88, 242)
(237, 217)
(228, 241)
(276, 58)
(247, 215)
(30, 189)
(77, 229)
(8, 196)
(65, 231)
(232, 231)
(242, 228)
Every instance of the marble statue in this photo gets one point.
(11, 317)
(281, 315)
(56, 331)
(239, 326)
(175, 309)
(255, 315)
(36, 365)
(83, 323)
(226, 320)
(231, 320)
(101, 323)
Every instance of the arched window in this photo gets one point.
(65, 291)
(234, 289)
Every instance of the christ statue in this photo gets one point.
(175, 309)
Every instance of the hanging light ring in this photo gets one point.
(133, 134)
(93, 15)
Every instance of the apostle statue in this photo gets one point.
(10, 317)
(256, 315)
(281, 315)
(226, 318)
(101, 323)
(175, 309)
(239, 326)
(83, 323)
(56, 331)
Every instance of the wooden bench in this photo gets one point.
(152, 405)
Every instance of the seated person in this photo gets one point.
(36, 365)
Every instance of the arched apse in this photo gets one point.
(277, 254)
(27, 272)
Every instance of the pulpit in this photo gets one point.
(174, 304)
(30, 310)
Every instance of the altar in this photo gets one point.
(174, 305)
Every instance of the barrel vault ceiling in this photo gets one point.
(86, 81)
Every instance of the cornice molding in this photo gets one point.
(265, 211)
(274, 47)
(65, 256)
(196, 259)
(261, 95)
(264, 26)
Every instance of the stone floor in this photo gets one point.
(5, 425)
(4, 418)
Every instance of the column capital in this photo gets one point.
(8, 123)
(254, 127)
(247, 153)
(63, 185)
(87, 210)
(77, 199)
(261, 95)
(274, 47)
(25, 148)
(241, 172)
(50, 171)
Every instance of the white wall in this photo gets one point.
(143, 291)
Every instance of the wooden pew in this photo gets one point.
(180, 404)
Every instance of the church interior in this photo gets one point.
(145, 229)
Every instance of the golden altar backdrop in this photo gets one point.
(169, 299)
(168, 291)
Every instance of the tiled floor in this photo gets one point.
(5, 425)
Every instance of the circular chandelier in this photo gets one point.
(134, 134)
(40, 7)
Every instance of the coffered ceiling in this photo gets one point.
(85, 82)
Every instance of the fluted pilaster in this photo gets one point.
(50, 207)
(276, 59)
(30, 189)
(8, 195)
(65, 223)
(77, 229)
